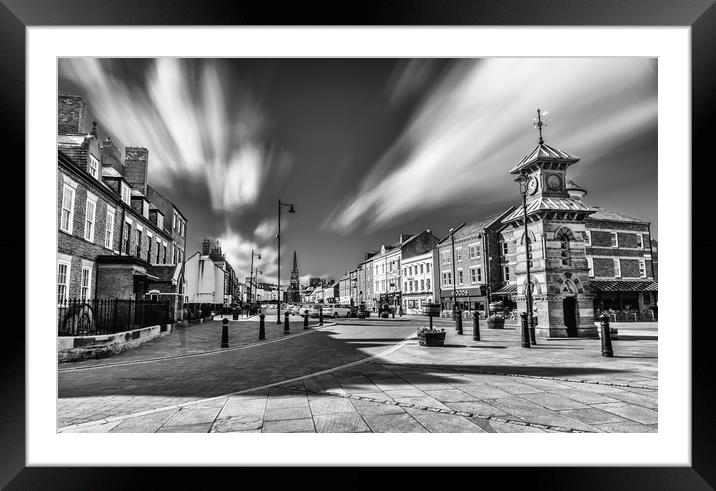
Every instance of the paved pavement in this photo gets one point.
(365, 375)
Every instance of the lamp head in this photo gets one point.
(291, 209)
(522, 181)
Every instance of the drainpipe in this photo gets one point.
(486, 262)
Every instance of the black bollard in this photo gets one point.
(285, 323)
(458, 321)
(476, 326)
(236, 315)
(320, 316)
(393, 312)
(533, 336)
(262, 326)
(225, 332)
(305, 319)
(525, 330)
(606, 336)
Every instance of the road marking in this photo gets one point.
(111, 419)
(190, 355)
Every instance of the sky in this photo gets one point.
(367, 149)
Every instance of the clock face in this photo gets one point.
(532, 185)
(554, 182)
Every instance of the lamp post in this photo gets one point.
(278, 260)
(251, 273)
(455, 312)
(522, 180)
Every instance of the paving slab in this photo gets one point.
(394, 423)
(187, 428)
(552, 401)
(276, 414)
(592, 416)
(341, 423)
(304, 425)
(237, 423)
(444, 423)
(630, 411)
(149, 423)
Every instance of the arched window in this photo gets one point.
(564, 236)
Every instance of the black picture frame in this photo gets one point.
(700, 15)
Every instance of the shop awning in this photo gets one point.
(510, 289)
(625, 286)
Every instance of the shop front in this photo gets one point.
(466, 299)
(626, 300)
(412, 304)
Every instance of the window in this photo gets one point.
(68, 209)
(149, 249)
(405, 271)
(93, 167)
(458, 254)
(63, 275)
(473, 275)
(411, 285)
(459, 277)
(647, 298)
(427, 268)
(588, 238)
(505, 248)
(590, 264)
(506, 273)
(126, 195)
(565, 254)
(471, 252)
(139, 243)
(174, 221)
(165, 254)
(109, 228)
(125, 238)
(427, 284)
(422, 268)
(90, 209)
(422, 285)
(145, 209)
(85, 284)
(615, 239)
(640, 241)
(159, 246)
(447, 279)
(642, 268)
(411, 270)
(617, 268)
(160, 220)
(479, 274)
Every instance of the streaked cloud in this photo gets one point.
(467, 134)
(195, 123)
(267, 229)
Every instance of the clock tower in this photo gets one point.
(554, 246)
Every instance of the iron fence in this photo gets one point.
(82, 317)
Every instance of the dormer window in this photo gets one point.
(145, 209)
(126, 194)
(93, 166)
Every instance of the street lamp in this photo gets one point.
(523, 180)
(251, 273)
(278, 260)
(454, 281)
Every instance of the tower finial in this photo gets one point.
(538, 123)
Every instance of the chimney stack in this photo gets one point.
(136, 160)
(113, 155)
(205, 247)
(404, 237)
(71, 113)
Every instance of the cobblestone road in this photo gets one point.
(466, 386)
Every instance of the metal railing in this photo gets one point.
(81, 317)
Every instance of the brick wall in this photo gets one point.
(71, 113)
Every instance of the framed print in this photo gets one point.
(420, 236)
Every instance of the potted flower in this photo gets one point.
(428, 336)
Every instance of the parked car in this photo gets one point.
(313, 310)
(340, 311)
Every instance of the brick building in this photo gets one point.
(109, 244)
(475, 267)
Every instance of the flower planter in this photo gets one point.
(431, 338)
(495, 322)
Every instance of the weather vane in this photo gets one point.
(537, 123)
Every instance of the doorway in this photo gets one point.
(569, 311)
